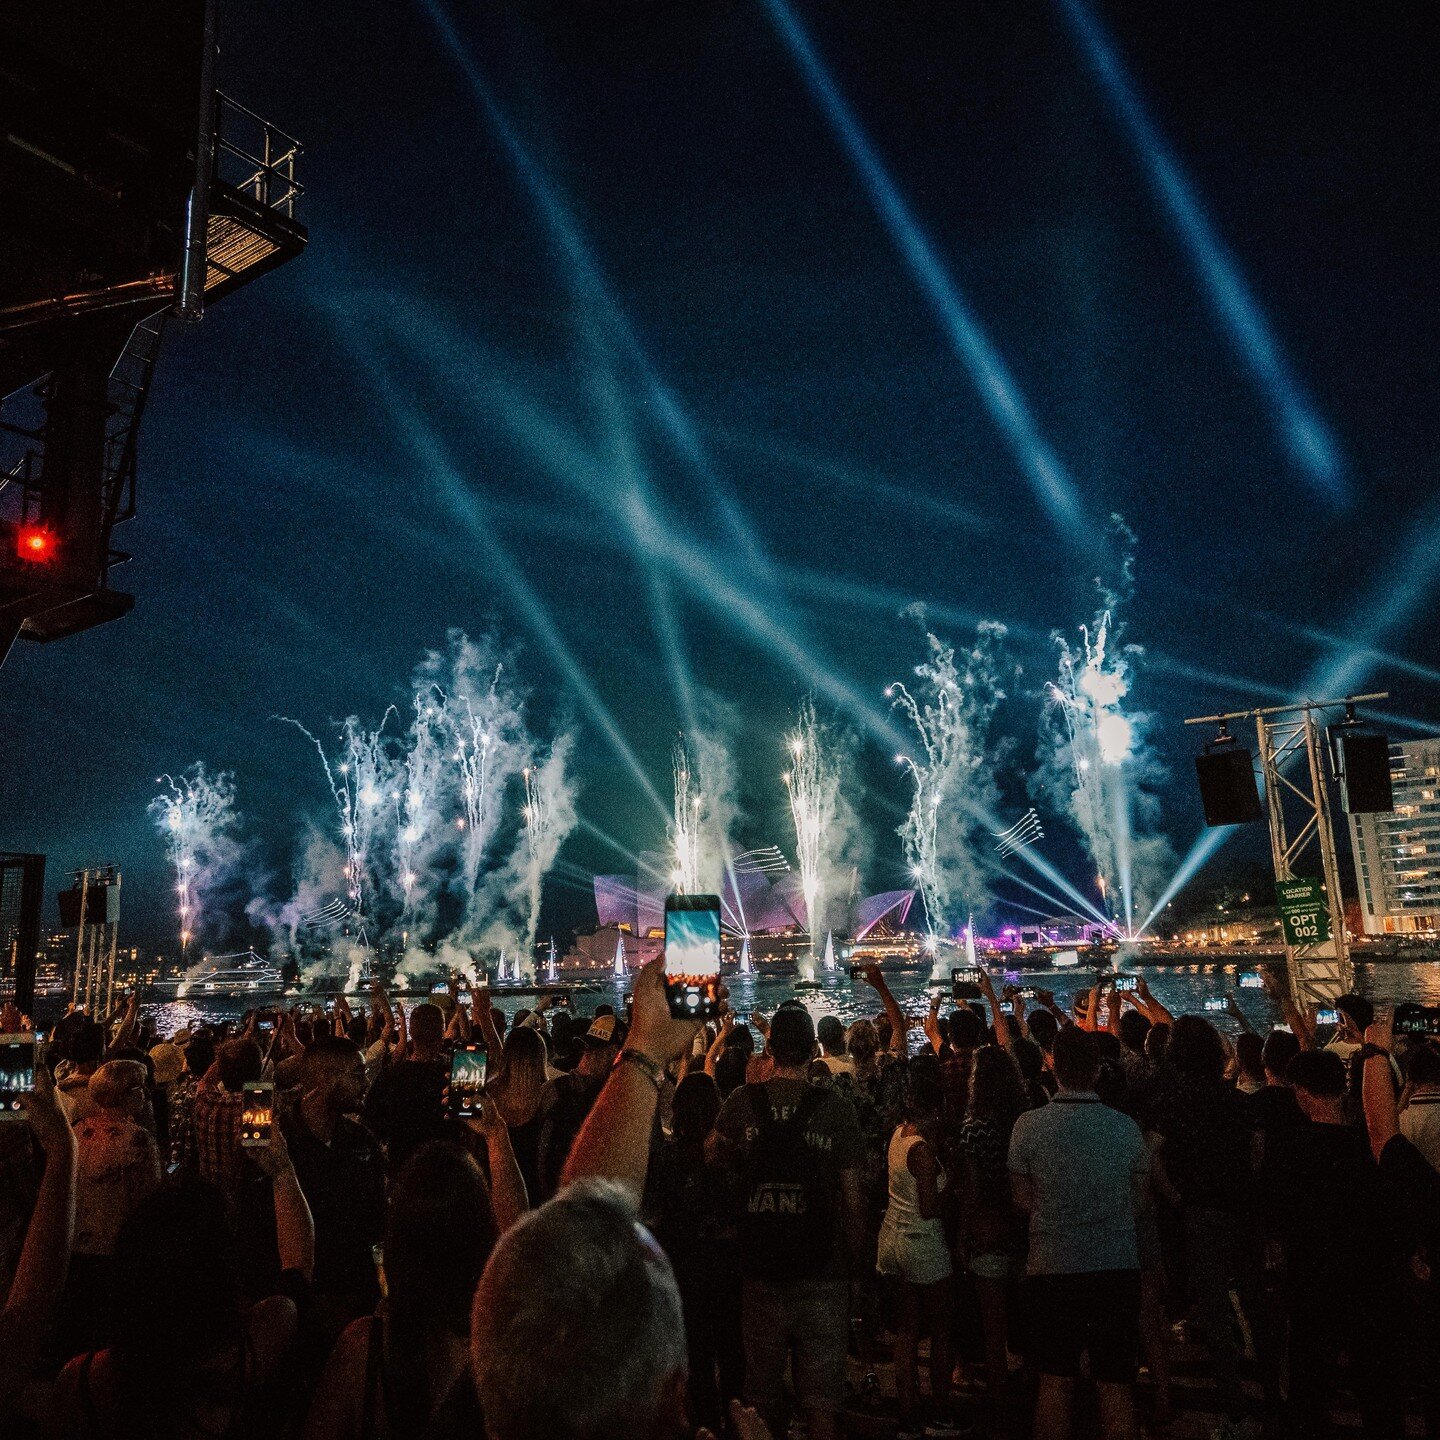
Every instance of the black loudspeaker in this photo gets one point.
(1227, 786)
(1365, 773)
(102, 905)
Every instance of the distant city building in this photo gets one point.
(1397, 854)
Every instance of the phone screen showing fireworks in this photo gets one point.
(257, 1114)
(965, 983)
(1251, 980)
(1328, 1016)
(467, 1080)
(692, 956)
(17, 1073)
(1412, 1019)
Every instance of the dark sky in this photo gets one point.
(296, 553)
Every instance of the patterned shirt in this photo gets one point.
(119, 1166)
(215, 1114)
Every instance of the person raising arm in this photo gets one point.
(614, 1142)
(34, 1299)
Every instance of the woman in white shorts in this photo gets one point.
(913, 1249)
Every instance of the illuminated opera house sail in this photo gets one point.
(756, 907)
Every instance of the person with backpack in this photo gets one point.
(797, 1151)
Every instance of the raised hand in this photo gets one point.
(273, 1159)
(46, 1116)
(653, 1030)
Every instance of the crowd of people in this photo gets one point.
(653, 1229)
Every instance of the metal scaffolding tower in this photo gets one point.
(1297, 803)
(96, 896)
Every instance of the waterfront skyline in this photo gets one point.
(697, 236)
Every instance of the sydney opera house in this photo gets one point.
(763, 918)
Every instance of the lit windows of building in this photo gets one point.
(1397, 854)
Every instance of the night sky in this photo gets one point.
(313, 448)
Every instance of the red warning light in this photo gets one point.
(34, 542)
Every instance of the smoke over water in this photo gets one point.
(945, 835)
(1096, 763)
(445, 827)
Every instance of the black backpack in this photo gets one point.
(787, 1229)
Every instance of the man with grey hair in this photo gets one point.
(577, 1332)
(579, 1290)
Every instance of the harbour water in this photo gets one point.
(1181, 989)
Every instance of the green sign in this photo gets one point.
(1304, 912)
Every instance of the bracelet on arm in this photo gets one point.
(643, 1062)
(1373, 1052)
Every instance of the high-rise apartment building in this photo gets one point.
(1397, 854)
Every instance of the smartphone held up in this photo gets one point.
(17, 1073)
(257, 1114)
(467, 1080)
(965, 983)
(692, 956)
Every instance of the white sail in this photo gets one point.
(550, 971)
(970, 942)
(829, 961)
(745, 967)
(621, 972)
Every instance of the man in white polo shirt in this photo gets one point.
(1079, 1169)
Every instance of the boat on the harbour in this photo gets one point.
(244, 974)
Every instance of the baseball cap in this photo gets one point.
(605, 1030)
(169, 1062)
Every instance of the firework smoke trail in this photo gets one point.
(1097, 764)
(360, 781)
(813, 783)
(549, 817)
(944, 832)
(419, 799)
(196, 815)
(685, 827)
(487, 746)
(474, 742)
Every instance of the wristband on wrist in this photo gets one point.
(1372, 1052)
(643, 1062)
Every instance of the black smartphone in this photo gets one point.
(692, 956)
(17, 1073)
(467, 1079)
(1251, 980)
(257, 1113)
(265, 1024)
(1217, 1007)
(965, 983)
(1027, 992)
(1126, 984)
(1007, 1007)
(1414, 1019)
(1329, 1017)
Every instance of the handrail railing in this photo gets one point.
(268, 177)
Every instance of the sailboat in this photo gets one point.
(828, 963)
(621, 971)
(745, 967)
(550, 971)
(970, 959)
